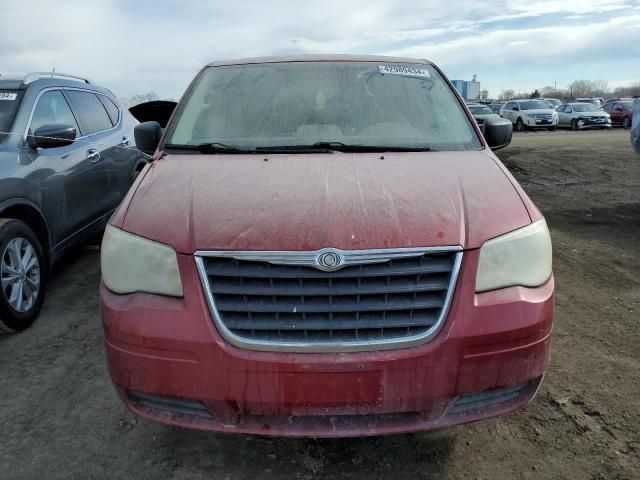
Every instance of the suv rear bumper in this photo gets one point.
(170, 364)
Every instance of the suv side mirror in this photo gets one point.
(498, 132)
(51, 136)
(516, 108)
(147, 135)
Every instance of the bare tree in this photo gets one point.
(507, 95)
(139, 98)
(630, 91)
(581, 88)
(600, 87)
(547, 91)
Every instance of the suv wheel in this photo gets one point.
(22, 275)
(626, 122)
(574, 124)
(519, 125)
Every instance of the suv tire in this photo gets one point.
(626, 123)
(519, 125)
(574, 124)
(23, 275)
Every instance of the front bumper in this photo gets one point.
(537, 123)
(170, 364)
(586, 123)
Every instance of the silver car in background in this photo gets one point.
(582, 116)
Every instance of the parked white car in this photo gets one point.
(580, 116)
(530, 114)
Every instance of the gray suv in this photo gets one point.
(67, 159)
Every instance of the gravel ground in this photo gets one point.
(60, 418)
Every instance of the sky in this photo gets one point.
(134, 47)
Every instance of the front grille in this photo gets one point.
(258, 304)
(543, 116)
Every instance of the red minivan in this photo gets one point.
(325, 246)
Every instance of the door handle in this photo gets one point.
(125, 142)
(93, 155)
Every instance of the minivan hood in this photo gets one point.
(311, 201)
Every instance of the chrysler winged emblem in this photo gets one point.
(329, 260)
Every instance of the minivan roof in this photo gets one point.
(318, 58)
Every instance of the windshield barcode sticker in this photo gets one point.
(8, 96)
(403, 70)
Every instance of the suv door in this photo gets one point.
(73, 184)
(508, 111)
(97, 124)
(121, 165)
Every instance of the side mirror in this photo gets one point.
(618, 109)
(498, 132)
(147, 136)
(51, 136)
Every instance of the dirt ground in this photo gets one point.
(60, 418)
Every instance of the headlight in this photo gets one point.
(134, 264)
(521, 257)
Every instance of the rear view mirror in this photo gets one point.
(52, 135)
(498, 132)
(147, 136)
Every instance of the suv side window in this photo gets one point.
(90, 110)
(52, 108)
(112, 109)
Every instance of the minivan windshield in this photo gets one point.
(9, 103)
(306, 104)
(534, 105)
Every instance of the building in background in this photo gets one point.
(470, 90)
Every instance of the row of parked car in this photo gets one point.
(551, 113)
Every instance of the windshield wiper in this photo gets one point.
(213, 147)
(342, 147)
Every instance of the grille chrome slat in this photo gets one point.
(306, 308)
(409, 286)
(266, 270)
(285, 302)
(301, 325)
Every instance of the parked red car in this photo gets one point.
(325, 246)
(621, 113)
